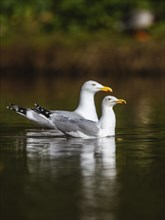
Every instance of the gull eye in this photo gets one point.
(93, 84)
(109, 99)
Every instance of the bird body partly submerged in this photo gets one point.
(86, 108)
(86, 128)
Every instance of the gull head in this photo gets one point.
(93, 87)
(112, 100)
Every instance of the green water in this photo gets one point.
(44, 176)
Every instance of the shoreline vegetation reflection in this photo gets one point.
(79, 38)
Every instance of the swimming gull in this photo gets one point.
(86, 108)
(79, 127)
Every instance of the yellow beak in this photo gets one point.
(106, 89)
(121, 101)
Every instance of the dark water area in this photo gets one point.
(47, 176)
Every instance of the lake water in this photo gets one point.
(46, 176)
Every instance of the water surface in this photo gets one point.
(47, 176)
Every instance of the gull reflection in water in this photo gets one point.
(99, 188)
(99, 154)
(90, 162)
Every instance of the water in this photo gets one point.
(46, 176)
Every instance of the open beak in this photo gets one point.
(106, 89)
(121, 101)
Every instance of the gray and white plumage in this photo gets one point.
(30, 114)
(86, 128)
(76, 127)
(86, 107)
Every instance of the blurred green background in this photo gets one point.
(81, 38)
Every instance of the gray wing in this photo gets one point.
(88, 127)
(67, 125)
(51, 113)
(68, 114)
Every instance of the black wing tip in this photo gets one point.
(17, 109)
(11, 106)
(36, 104)
(39, 109)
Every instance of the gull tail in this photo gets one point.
(18, 109)
(40, 110)
(37, 114)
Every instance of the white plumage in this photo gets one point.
(79, 127)
(86, 107)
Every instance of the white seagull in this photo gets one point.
(80, 127)
(86, 108)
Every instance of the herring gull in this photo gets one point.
(86, 107)
(80, 127)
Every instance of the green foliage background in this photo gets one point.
(78, 37)
(70, 15)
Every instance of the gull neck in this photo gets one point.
(107, 122)
(86, 107)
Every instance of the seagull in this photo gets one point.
(86, 108)
(84, 128)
